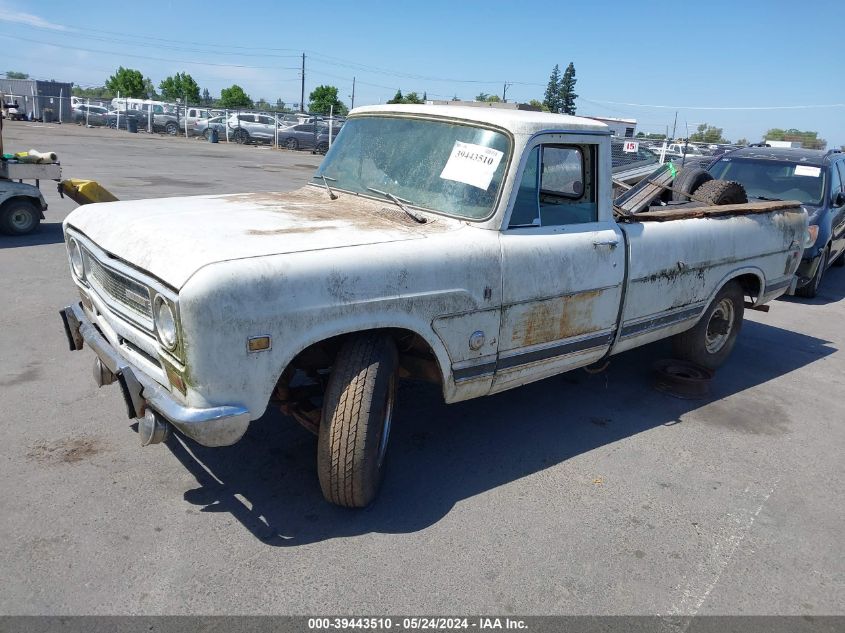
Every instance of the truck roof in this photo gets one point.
(516, 121)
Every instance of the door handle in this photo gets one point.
(612, 243)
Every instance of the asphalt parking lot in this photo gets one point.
(580, 494)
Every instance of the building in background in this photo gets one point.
(625, 128)
(34, 97)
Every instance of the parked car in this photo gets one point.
(812, 177)
(84, 114)
(117, 118)
(322, 144)
(193, 116)
(475, 248)
(307, 136)
(249, 127)
(161, 120)
(203, 127)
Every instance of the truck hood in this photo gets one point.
(172, 238)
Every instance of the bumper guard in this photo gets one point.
(212, 426)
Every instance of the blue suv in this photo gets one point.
(814, 178)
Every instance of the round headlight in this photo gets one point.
(76, 258)
(165, 323)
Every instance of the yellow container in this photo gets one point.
(85, 191)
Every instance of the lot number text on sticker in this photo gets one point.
(808, 170)
(631, 147)
(471, 164)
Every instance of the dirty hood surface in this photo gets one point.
(172, 238)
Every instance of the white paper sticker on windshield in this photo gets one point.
(471, 164)
(808, 170)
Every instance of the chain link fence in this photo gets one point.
(274, 128)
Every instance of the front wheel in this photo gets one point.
(172, 129)
(711, 340)
(19, 217)
(292, 143)
(356, 418)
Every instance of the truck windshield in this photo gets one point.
(441, 166)
(773, 179)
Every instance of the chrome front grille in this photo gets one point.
(118, 288)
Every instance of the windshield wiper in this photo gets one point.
(767, 199)
(399, 201)
(326, 179)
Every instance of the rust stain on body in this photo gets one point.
(555, 319)
(312, 204)
(291, 230)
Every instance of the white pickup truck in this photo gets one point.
(477, 248)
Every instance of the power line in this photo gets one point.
(159, 59)
(676, 107)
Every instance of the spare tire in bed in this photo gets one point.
(687, 182)
(720, 192)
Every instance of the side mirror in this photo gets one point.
(839, 199)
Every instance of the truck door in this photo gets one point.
(563, 262)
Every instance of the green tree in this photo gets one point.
(552, 97)
(280, 105)
(411, 97)
(536, 103)
(234, 97)
(128, 82)
(707, 134)
(323, 98)
(654, 136)
(566, 90)
(150, 89)
(808, 139)
(487, 98)
(180, 86)
(96, 92)
(14, 74)
(206, 97)
(742, 141)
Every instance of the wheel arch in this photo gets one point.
(11, 197)
(422, 355)
(751, 279)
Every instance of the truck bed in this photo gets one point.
(689, 211)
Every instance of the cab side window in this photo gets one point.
(558, 187)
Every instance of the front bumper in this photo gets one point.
(212, 426)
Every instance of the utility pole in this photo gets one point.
(353, 96)
(674, 125)
(302, 94)
(505, 92)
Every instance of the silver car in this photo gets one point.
(253, 128)
(203, 127)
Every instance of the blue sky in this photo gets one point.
(708, 60)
